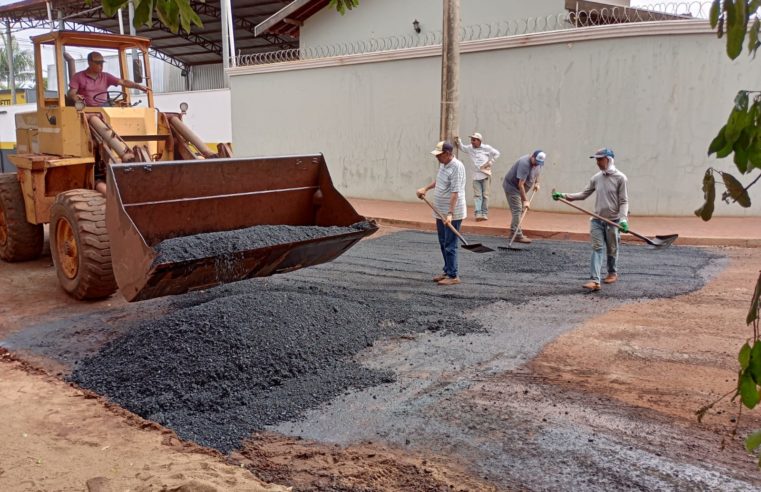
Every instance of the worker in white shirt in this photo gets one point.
(482, 156)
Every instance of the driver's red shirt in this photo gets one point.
(88, 87)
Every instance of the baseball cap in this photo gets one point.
(477, 135)
(442, 147)
(540, 156)
(604, 152)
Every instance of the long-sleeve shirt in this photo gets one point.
(480, 156)
(612, 200)
(450, 179)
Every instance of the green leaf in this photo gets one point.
(143, 13)
(754, 303)
(111, 7)
(736, 190)
(736, 27)
(744, 356)
(748, 391)
(741, 101)
(754, 366)
(737, 122)
(753, 441)
(718, 142)
(168, 13)
(709, 194)
(753, 43)
(741, 158)
(714, 14)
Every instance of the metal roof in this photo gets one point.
(290, 18)
(202, 46)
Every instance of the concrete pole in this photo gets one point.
(50, 15)
(131, 18)
(132, 32)
(223, 26)
(9, 56)
(231, 30)
(450, 71)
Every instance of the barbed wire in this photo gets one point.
(573, 19)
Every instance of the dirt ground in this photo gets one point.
(673, 356)
(662, 358)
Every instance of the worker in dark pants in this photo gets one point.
(449, 201)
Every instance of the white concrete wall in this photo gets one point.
(656, 99)
(384, 18)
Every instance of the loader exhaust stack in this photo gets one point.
(147, 204)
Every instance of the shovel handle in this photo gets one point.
(640, 236)
(444, 220)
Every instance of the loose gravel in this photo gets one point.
(225, 243)
(224, 363)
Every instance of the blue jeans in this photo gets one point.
(448, 242)
(481, 188)
(605, 240)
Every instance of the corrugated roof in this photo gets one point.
(202, 46)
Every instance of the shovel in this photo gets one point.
(659, 242)
(518, 228)
(474, 247)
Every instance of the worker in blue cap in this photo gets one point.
(611, 202)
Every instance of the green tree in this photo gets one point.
(737, 21)
(179, 14)
(174, 14)
(343, 5)
(23, 64)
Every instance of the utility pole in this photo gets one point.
(450, 71)
(9, 56)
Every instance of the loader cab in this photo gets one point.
(131, 52)
(59, 125)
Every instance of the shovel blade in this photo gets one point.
(662, 242)
(477, 248)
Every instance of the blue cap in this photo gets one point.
(604, 152)
(540, 156)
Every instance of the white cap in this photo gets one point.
(478, 136)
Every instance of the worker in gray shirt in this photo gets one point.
(523, 176)
(612, 203)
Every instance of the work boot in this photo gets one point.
(440, 277)
(611, 278)
(449, 281)
(520, 238)
(592, 286)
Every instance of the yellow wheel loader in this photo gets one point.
(116, 181)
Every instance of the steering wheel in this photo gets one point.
(110, 98)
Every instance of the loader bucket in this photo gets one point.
(150, 206)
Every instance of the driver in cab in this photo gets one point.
(88, 84)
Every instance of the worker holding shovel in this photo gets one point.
(449, 208)
(521, 177)
(611, 203)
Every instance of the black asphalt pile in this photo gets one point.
(217, 371)
(215, 366)
(225, 243)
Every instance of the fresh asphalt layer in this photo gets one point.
(369, 348)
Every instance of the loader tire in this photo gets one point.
(19, 240)
(79, 244)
